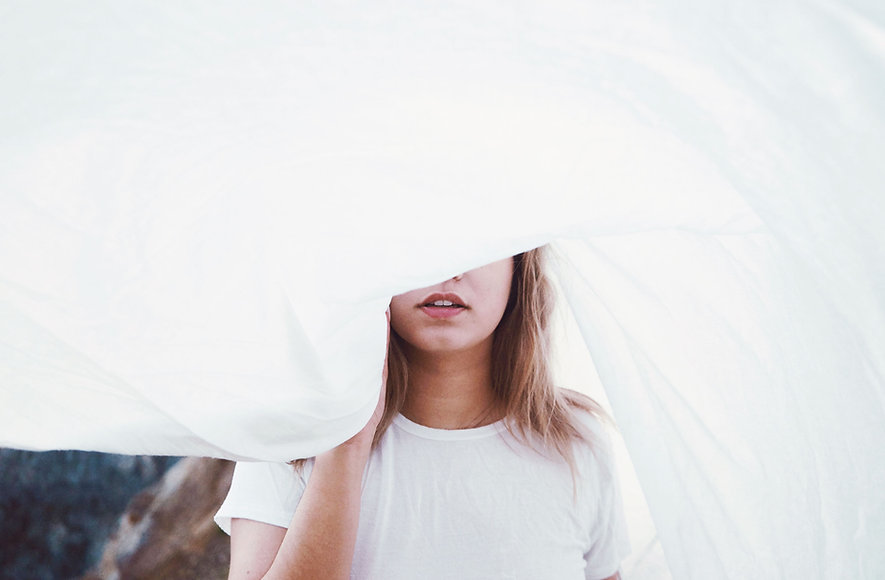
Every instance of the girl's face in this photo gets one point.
(457, 314)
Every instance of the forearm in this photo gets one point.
(322, 535)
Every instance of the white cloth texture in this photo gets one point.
(466, 503)
(205, 209)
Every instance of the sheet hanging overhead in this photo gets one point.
(204, 211)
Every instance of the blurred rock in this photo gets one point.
(57, 508)
(168, 532)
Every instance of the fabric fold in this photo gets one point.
(205, 211)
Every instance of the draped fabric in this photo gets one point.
(205, 209)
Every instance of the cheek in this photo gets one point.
(496, 313)
(499, 288)
(399, 309)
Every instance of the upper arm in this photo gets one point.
(253, 547)
(608, 541)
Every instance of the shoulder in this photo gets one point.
(594, 447)
(588, 417)
(263, 492)
(260, 471)
(273, 483)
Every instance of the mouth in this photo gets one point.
(447, 300)
(443, 305)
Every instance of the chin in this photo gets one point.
(442, 345)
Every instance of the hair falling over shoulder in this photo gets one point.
(536, 411)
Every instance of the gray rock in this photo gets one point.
(57, 508)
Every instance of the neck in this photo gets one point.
(451, 390)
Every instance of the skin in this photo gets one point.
(449, 388)
(450, 384)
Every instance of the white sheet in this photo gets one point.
(205, 209)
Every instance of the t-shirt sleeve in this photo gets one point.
(609, 541)
(264, 492)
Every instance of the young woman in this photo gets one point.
(473, 466)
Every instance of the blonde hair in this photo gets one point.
(535, 411)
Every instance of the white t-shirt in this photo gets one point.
(462, 504)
